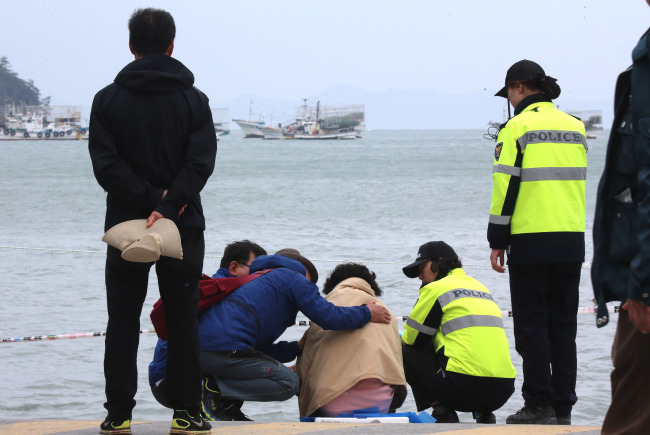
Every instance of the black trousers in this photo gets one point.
(430, 383)
(126, 289)
(544, 307)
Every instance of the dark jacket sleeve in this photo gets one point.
(639, 284)
(326, 314)
(113, 174)
(199, 159)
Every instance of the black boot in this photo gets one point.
(531, 414)
(443, 414)
(484, 417)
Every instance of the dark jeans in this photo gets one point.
(250, 375)
(544, 307)
(126, 289)
(430, 383)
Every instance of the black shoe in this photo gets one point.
(564, 420)
(217, 408)
(484, 417)
(533, 415)
(184, 423)
(230, 410)
(442, 414)
(112, 426)
(211, 398)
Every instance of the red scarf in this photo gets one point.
(211, 291)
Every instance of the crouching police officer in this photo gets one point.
(455, 350)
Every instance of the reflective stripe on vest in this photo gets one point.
(469, 321)
(500, 220)
(544, 174)
(505, 169)
(458, 293)
(420, 327)
(552, 136)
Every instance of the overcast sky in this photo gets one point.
(291, 49)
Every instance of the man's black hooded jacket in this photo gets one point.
(152, 131)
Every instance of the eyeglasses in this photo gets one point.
(244, 264)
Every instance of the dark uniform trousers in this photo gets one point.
(430, 383)
(126, 289)
(545, 307)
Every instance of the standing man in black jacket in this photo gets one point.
(620, 270)
(153, 148)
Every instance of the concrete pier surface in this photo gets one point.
(87, 427)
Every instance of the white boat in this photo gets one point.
(321, 136)
(316, 122)
(269, 132)
(42, 123)
(249, 126)
(593, 120)
(220, 119)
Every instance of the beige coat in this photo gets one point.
(334, 361)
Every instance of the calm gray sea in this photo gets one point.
(373, 200)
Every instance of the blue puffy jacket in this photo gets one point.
(158, 367)
(259, 312)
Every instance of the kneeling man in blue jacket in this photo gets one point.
(238, 335)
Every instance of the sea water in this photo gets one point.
(373, 200)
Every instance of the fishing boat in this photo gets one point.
(42, 123)
(320, 122)
(273, 133)
(220, 119)
(593, 120)
(249, 126)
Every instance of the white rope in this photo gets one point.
(581, 310)
(585, 265)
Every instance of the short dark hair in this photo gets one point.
(240, 252)
(350, 270)
(444, 266)
(151, 31)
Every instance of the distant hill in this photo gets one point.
(14, 90)
(404, 109)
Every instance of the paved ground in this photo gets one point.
(79, 427)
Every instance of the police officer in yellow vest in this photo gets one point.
(537, 215)
(454, 347)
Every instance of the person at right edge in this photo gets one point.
(537, 216)
(621, 267)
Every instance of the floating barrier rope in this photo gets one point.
(62, 336)
(581, 310)
(585, 265)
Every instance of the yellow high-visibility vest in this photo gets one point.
(458, 313)
(545, 150)
(538, 206)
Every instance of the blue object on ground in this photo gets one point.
(422, 417)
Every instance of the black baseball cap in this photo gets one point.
(429, 251)
(527, 70)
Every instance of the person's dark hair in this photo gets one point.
(151, 31)
(350, 270)
(240, 252)
(444, 266)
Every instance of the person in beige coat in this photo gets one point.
(341, 371)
